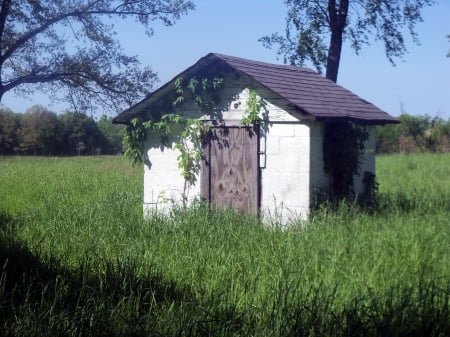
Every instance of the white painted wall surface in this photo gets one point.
(163, 183)
(285, 177)
(291, 166)
(285, 164)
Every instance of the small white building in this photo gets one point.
(274, 168)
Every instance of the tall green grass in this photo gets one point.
(77, 258)
(419, 183)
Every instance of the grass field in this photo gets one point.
(77, 259)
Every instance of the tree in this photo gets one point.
(113, 134)
(68, 49)
(9, 125)
(39, 131)
(415, 133)
(81, 135)
(388, 137)
(315, 30)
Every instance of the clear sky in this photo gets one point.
(420, 82)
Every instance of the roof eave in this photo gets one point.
(137, 109)
(144, 106)
(372, 121)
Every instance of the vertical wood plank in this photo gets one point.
(233, 169)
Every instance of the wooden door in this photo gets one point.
(230, 169)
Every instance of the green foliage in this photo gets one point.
(343, 147)
(82, 262)
(188, 141)
(133, 140)
(205, 93)
(190, 148)
(255, 111)
(9, 126)
(315, 30)
(421, 133)
(69, 49)
(190, 153)
(388, 138)
(81, 135)
(112, 133)
(40, 131)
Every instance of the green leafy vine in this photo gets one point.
(343, 148)
(205, 94)
(188, 143)
(343, 144)
(256, 109)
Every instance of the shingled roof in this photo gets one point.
(303, 88)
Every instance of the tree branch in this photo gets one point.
(70, 76)
(27, 37)
(86, 11)
(34, 50)
(4, 11)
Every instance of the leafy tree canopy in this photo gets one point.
(9, 124)
(315, 30)
(38, 131)
(68, 49)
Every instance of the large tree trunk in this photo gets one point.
(338, 19)
(334, 55)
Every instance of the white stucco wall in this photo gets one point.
(285, 162)
(286, 174)
(291, 159)
(163, 183)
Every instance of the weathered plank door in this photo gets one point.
(230, 169)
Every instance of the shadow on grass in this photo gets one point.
(384, 204)
(400, 202)
(414, 312)
(40, 298)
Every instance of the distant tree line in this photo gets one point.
(40, 131)
(415, 134)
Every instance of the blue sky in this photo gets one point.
(420, 82)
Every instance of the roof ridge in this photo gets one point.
(226, 58)
(303, 88)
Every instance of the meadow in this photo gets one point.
(77, 259)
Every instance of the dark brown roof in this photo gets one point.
(303, 88)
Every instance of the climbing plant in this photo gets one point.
(343, 148)
(205, 93)
(133, 140)
(188, 141)
(256, 109)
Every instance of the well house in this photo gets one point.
(273, 168)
